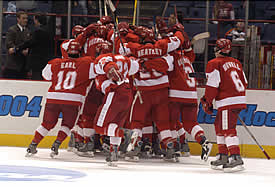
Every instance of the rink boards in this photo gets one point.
(22, 107)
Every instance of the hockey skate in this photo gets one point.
(157, 151)
(146, 149)
(206, 150)
(234, 164)
(31, 150)
(221, 159)
(170, 154)
(55, 148)
(87, 149)
(71, 144)
(112, 156)
(182, 149)
(133, 155)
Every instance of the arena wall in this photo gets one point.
(22, 106)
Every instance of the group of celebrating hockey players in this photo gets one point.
(126, 91)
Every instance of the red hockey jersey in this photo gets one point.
(127, 67)
(182, 87)
(92, 44)
(160, 48)
(70, 78)
(226, 83)
(152, 78)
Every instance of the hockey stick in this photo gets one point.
(105, 9)
(135, 13)
(164, 10)
(198, 42)
(203, 35)
(253, 137)
(113, 10)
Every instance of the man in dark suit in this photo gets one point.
(39, 46)
(15, 66)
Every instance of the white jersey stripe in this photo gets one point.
(152, 82)
(147, 130)
(105, 109)
(213, 79)
(225, 120)
(231, 101)
(66, 96)
(230, 141)
(66, 130)
(42, 130)
(220, 140)
(195, 130)
(112, 129)
(165, 134)
(183, 94)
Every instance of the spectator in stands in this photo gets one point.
(15, 66)
(39, 46)
(79, 7)
(237, 36)
(223, 10)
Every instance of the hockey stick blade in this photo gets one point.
(198, 75)
(111, 5)
(200, 36)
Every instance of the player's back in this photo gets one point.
(70, 77)
(232, 83)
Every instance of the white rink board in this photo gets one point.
(13, 122)
(23, 124)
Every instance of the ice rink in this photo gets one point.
(69, 169)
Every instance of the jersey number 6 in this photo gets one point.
(238, 83)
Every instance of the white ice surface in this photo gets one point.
(191, 171)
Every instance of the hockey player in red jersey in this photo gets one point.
(69, 78)
(113, 80)
(183, 102)
(226, 83)
(92, 39)
(78, 29)
(183, 96)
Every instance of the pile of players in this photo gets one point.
(126, 89)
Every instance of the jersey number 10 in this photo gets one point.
(66, 83)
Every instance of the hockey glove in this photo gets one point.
(89, 30)
(114, 74)
(207, 107)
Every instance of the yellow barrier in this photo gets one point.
(248, 151)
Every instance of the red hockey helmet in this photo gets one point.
(77, 30)
(223, 45)
(105, 20)
(149, 35)
(140, 31)
(102, 31)
(110, 26)
(123, 28)
(162, 26)
(91, 29)
(177, 27)
(74, 48)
